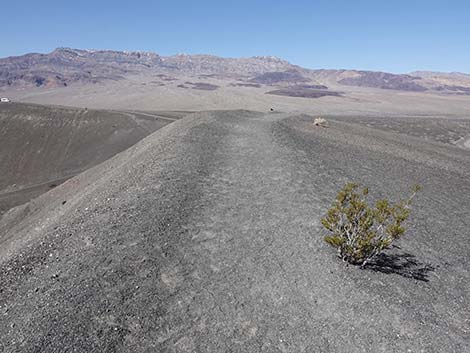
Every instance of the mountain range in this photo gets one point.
(65, 66)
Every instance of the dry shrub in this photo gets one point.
(360, 232)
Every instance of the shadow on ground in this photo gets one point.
(403, 264)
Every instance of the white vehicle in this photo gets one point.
(5, 100)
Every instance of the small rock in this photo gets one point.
(320, 122)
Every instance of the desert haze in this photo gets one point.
(174, 204)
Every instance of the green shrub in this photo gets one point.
(360, 232)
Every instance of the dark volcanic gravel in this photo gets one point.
(302, 92)
(205, 237)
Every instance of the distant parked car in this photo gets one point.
(5, 100)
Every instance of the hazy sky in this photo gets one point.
(389, 35)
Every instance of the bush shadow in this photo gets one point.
(403, 264)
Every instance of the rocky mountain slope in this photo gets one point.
(65, 66)
(413, 82)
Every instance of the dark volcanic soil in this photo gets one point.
(204, 86)
(303, 92)
(254, 85)
(42, 146)
(205, 237)
(289, 76)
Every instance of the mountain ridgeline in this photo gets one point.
(65, 66)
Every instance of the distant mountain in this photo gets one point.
(65, 66)
(385, 81)
(434, 74)
(452, 82)
(419, 81)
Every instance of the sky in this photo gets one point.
(386, 35)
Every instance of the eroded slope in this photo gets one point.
(41, 146)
